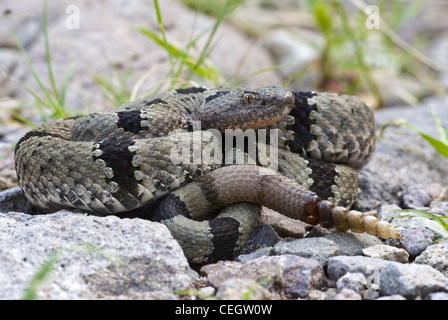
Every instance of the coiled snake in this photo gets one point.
(115, 162)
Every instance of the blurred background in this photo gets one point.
(62, 58)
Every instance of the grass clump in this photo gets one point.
(187, 62)
(50, 102)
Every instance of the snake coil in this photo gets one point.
(115, 162)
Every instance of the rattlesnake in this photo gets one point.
(114, 162)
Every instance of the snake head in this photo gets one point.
(245, 109)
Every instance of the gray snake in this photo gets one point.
(115, 162)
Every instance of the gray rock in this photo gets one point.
(414, 221)
(402, 158)
(369, 267)
(94, 257)
(392, 297)
(245, 258)
(243, 289)
(294, 276)
(98, 49)
(413, 240)
(14, 200)
(436, 256)
(283, 225)
(351, 244)
(388, 212)
(437, 296)
(292, 49)
(320, 249)
(353, 281)
(347, 294)
(439, 207)
(318, 294)
(270, 275)
(411, 280)
(386, 252)
(416, 197)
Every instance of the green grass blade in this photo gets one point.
(189, 61)
(39, 277)
(21, 118)
(48, 59)
(67, 77)
(437, 218)
(443, 133)
(32, 92)
(162, 30)
(241, 79)
(439, 145)
(44, 90)
(206, 50)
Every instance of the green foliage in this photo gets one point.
(352, 52)
(438, 218)
(41, 274)
(440, 144)
(180, 58)
(186, 62)
(191, 292)
(45, 269)
(115, 87)
(48, 99)
(214, 8)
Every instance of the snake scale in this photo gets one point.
(115, 162)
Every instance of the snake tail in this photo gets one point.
(243, 186)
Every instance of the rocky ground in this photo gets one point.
(92, 257)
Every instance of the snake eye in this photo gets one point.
(249, 98)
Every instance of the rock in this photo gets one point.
(218, 273)
(415, 222)
(434, 190)
(14, 200)
(294, 276)
(392, 297)
(413, 240)
(439, 207)
(389, 211)
(402, 158)
(436, 256)
(354, 281)
(94, 257)
(284, 226)
(437, 296)
(416, 197)
(411, 280)
(245, 258)
(207, 292)
(369, 267)
(320, 249)
(318, 231)
(318, 294)
(294, 50)
(386, 253)
(243, 289)
(347, 294)
(351, 244)
(98, 48)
